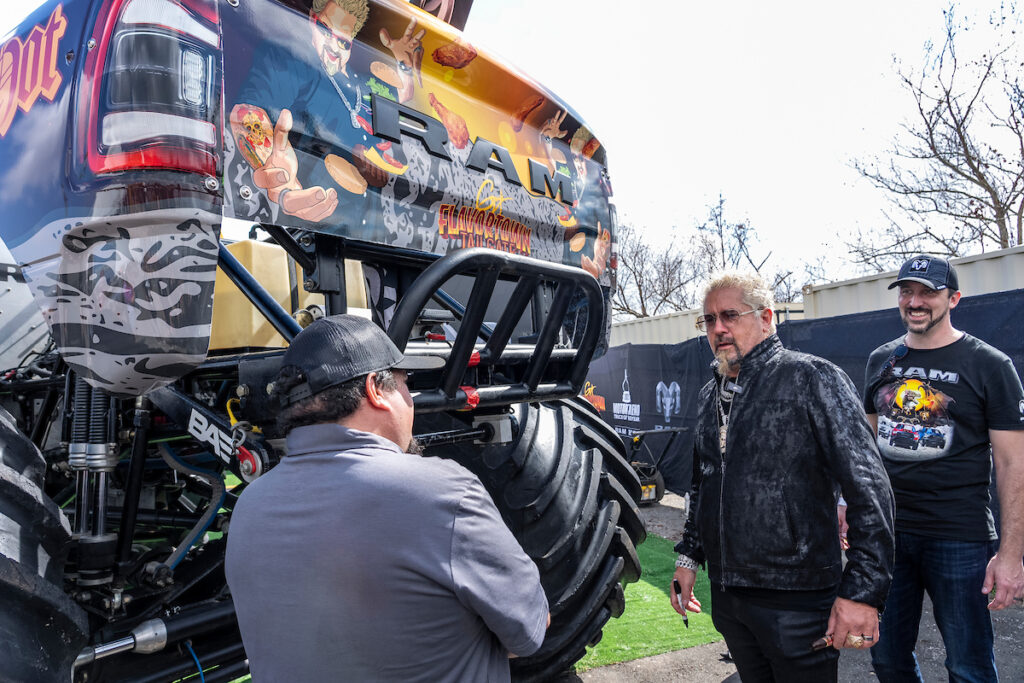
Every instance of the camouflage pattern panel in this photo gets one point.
(129, 299)
(109, 190)
(376, 121)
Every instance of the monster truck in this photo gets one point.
(387, 168)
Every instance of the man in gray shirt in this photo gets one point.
(354, 560)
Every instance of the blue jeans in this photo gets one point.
(952, 572)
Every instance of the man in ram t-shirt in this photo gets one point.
(945, 405)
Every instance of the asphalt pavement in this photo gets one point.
(706, 663)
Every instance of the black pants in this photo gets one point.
(774, 645)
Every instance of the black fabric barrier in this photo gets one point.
(846, 340)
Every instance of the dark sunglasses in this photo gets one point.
(329, 33)
(728, 317)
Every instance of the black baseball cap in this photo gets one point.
(335, 349)
(931, 271)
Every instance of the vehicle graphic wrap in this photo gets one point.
(354, 120)
(28, 68)
(913, 421)
(129, 300)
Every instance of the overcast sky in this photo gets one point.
(763, 102)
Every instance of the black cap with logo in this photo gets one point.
(333, 350)
(931, 271)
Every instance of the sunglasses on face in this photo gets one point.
(330, 34)
(729, 317)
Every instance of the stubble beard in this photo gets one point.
(414, 447)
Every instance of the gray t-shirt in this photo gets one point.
(353, 561)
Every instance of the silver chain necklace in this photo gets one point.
(351, 109)
(724, 397)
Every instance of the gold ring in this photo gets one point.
(855, 641)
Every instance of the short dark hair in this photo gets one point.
(331, 404)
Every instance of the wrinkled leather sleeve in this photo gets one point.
(852, 455)
(690, 545)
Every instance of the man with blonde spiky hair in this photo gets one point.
(778, 434)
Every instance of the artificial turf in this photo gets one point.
(650, 626)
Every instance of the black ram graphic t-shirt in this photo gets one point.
(934, 412)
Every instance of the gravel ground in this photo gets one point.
(706, 664)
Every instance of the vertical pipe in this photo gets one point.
(133, 487)
(78, 456)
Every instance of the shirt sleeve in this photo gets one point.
(494, 577)
(272, 83)
(1004, 398)
(871, 371)
(852, 456)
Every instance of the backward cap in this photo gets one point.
(338, 348)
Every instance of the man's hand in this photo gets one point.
(552, 128)
(312, 204)
(686, 578)
(408, 51)
(1004, 572)
(278, 172)
(1006, 575)
(277, 177)
(854, 619)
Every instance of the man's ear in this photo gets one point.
(766, 319)
(954, 299)
(374, 395)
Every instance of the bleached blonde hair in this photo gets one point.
(755, 290)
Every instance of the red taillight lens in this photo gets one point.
(151, 88)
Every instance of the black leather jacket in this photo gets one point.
(764, 515)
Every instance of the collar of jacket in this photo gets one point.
(758, 356)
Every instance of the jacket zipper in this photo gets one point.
(721, 492)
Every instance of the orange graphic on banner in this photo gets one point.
(28, 68)
(483, 225)
(595, 400)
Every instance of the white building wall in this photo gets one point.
(996, 271)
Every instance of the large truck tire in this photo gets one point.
(567, 492)
(41, 629)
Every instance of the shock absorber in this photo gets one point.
(78, 459)
(96, 550)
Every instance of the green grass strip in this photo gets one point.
(650, 626)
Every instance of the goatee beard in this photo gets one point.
(728, 361)
(932, 322)
(414, 447)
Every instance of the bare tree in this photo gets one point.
(723, 244)
(651, 280)
(664, 279)
(955, 174)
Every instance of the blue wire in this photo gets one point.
(202, 678)
(220, 503)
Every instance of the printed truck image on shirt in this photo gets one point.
(913, 421)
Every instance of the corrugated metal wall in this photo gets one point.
(676, 327)
(997, 271)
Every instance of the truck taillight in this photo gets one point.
(150, 95)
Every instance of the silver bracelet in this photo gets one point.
(685, 562)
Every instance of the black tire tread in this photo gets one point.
(41, 629)
(567, 492)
